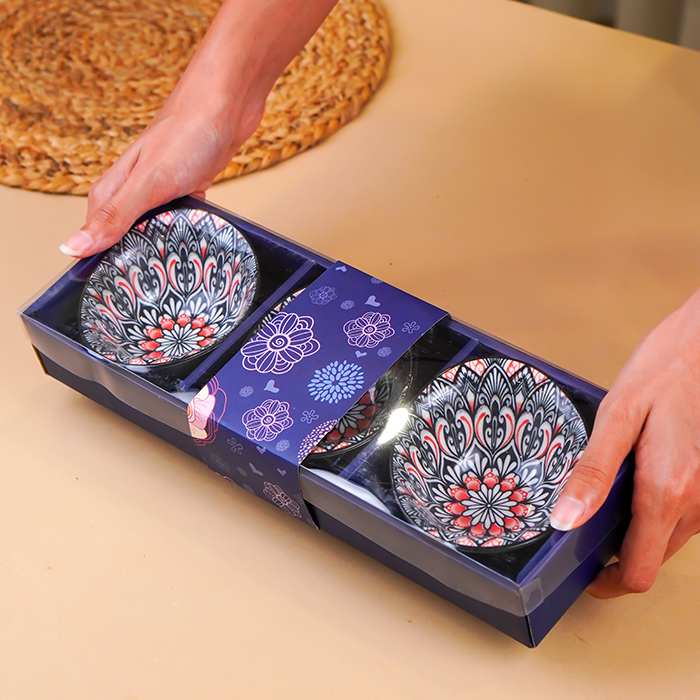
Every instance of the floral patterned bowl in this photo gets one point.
(173, 287)
(486, 451)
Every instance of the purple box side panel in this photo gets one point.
(178, 438)
(74, 358)
(513, 625)
(544, 617)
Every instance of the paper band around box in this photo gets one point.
(80, 80)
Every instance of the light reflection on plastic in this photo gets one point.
(396, 421)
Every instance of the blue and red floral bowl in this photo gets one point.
(485, 453)
(172, 288)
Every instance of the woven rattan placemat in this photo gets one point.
(80, 79)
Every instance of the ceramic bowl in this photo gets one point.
(173, 287)
(365, 418)
(485, 453)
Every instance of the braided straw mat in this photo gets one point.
(80, 79)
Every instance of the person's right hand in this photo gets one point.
(653, 407)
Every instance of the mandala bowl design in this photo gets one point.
(485, 453)
(175, 286)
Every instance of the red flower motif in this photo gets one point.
(488, 507)
(198, 322)
(478, 530)
(334, 436)
(183, 320)
(459, 494)
(455, 508)
(490, 479)
(167, 323)
(465, 542)
(512, 524)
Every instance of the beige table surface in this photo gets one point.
(537, 176)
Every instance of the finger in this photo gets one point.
(114, 218)
(105, 187)
(107, 224)
(642, 554)
(104, 225)
(618, 424)
(683, 532)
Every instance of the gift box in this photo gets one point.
(353, 406)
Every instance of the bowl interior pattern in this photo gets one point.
(485, 453)
(174, 286)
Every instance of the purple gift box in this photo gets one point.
(280, 404)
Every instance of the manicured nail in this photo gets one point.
(77, 244)
(566, 512)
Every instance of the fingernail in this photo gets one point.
(77, 244)
(566, 512)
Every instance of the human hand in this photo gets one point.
(653, 407)
(181, 152)
(215, 107)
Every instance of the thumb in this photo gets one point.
(617, 426)
(108, 223)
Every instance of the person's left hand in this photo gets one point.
(653, 407)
